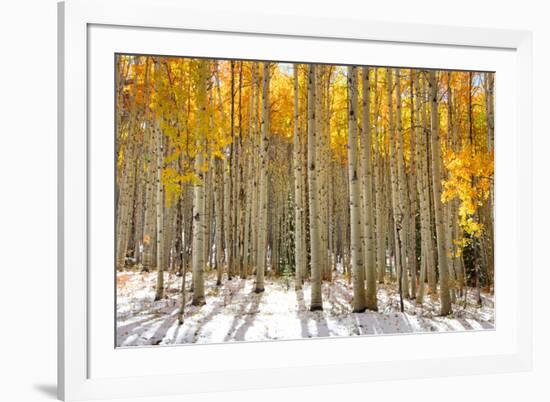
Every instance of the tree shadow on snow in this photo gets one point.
(162, 331)
(219, 304)
(251, 313)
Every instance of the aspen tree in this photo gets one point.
(380, 190)
(149, 230)
(264, 143)
(477, 270)
(250, 161)
(159, 216)
(256, 171)
(397, 213)
(218, 201)
(228, 183)
(449, 206)
(436, 176)
(427, 189)
(316, 294)
(241, 183)
(297, 160)
(412, 191)
(320, 168)
(159, 200)
(357, 266)
(199, 230)
(403, 198)
(218, 190)
(426, 253)
(368, 211)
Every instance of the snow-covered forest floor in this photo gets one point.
(233, 312)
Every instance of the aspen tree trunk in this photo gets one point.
(472, 145)
(449, 206)
(305, 188)
(139, 218)
(381, 219)
(331, 219)
(264, 143)
(320, 168)
(248, 209)
(255, 173)
(347, 231)
(240, 184)
(144, 175)
(160, 210)
(178, 242)
(149, 231)
(403, 191)
(436, 175)
(412, 192)
(207, 212)
(326, 169)
(316, 294)
(199, 230)
(368, 212)
(234, 201)
(218, 200)
(390, 232)
(250, 191)
(380, 191)
(422, 190)
(254, 141)
(218, 192)
(359, 300)
(427, 190)
(183, 295)
(298, 210)
(228, 184)
(397, 213)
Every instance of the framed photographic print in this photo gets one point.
(289, 199)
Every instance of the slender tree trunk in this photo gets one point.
(412, 192)
(199, 230)
(436, 175)
(422, 190)
(368, 211)
(357, 266)
(316, 294)
(218, 201)
(397, 213)
(427, 190)
(160, 210)
(403, 198)
(298, 210)
(264, 143)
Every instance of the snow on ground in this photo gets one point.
(233, 312)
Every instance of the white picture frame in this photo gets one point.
(79, 377)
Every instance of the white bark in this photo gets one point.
(357, 266)
(264, 143)
(368, 209)
(438, 208)
(199, 221)
(298, 210)
(316, 294)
